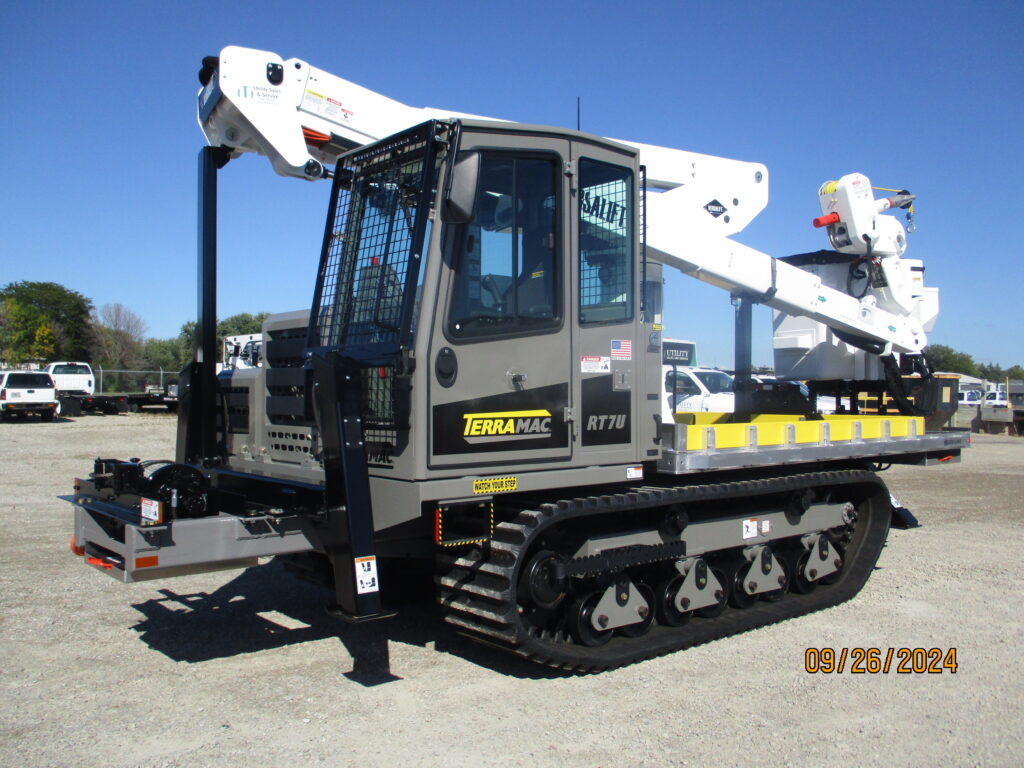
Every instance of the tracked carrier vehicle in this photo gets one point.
(478, 383)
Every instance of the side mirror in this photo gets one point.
(461, 199)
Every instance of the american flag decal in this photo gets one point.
(622, 349)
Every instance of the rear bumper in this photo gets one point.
(9, 407)
(113, 539)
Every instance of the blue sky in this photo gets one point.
(101, 141)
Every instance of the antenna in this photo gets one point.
(577, 113)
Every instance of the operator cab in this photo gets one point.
(488, 286)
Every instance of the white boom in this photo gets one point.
(302, 118)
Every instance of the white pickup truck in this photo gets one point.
(696, 389)
(26, 392)
(72, 378)
(689, 389)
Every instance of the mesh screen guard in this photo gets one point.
(370, 267)
(372, 247)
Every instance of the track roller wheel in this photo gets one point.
(797, 581)
(837, 551)
(712, 611)
(579, 620)
(643, 626)
(737, 574)
(665, 599)
(776, 595)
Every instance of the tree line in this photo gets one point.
(42, 322)
(949, 360)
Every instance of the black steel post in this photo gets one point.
(742, 385)
(198, 417)
(210, 161)
(350, 541)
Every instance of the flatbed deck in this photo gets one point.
(703, 441)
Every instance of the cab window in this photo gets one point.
(29, 380)
(606, 221)
(680, 384)
(507, 260)
(715, 381)
(71, 368)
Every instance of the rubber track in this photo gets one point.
(478, 592)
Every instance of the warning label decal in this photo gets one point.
(366, 575)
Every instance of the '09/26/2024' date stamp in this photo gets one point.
(873, 661)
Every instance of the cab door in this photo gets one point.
(500, 377)
(618, 420)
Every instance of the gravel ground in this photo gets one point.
(241, 668)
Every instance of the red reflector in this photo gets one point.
(824, 221)
(147, 562)
(75, 549)
(382, 372)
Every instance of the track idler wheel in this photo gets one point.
(540, 582)
(580, 621)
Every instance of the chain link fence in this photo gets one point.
(110, 380)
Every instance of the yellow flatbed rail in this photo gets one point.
(713, 441)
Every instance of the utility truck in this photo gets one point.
(478, 384)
